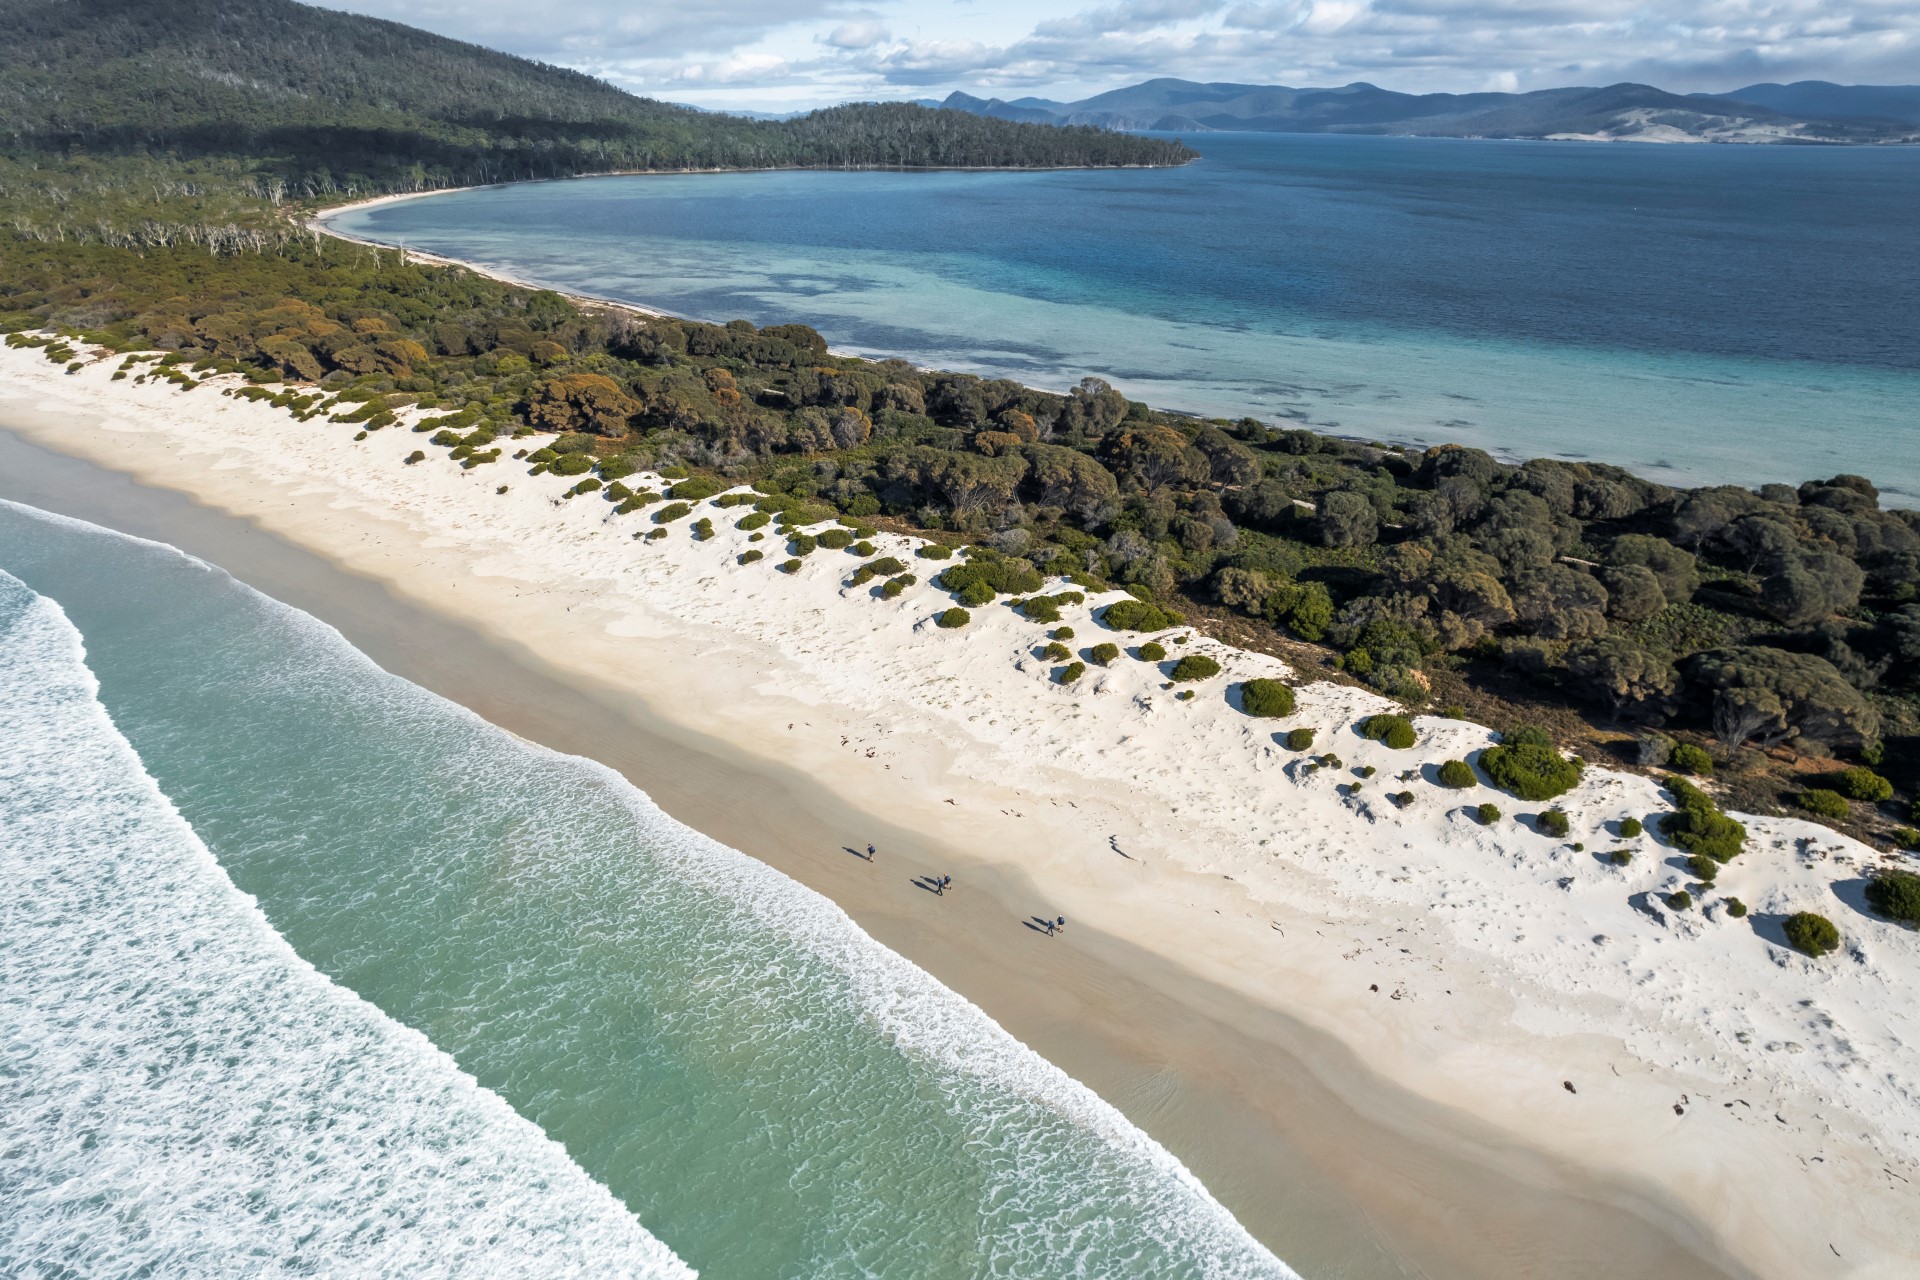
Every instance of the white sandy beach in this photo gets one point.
(1774, 1098)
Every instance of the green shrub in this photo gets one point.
(1528, 767)
(1063, 633)
(1366, 771)
(1103, 653)
(572, 464)
(834, 539)
(1555, 823)
(674, 472)
(1822, 803)
(702, 529)
(1401, 799)
(1736, 908)
(1865, 785)
(1040, 609)
(1620, 857)
(1812, 934)
(1299, 739)
(1138, 615)
(608, 468)
(1699, 826)
(885, 566)
(1266, 698)
(1072, 671)
(1688, 758)
(1457, 774)
(1056, 652)
(736, 500)
(953, 618)
(617, 492)
(695, 489)
(653, 535)
(788, 566)
(671, 512)
(861, 548)
(935, 551)
(753, 520)
(980, 579)
(802, 544)
(748, 557)
(1630, 828)
(975, 594)
(1152, 651)
(1185, 695)
(1679, 901)
(1702, 867)
(1395, 731)
(1488, 814)
(1906, 837)
(1895, 895)
(416, 456)
(1195, 666)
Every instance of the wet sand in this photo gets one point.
(1340, 1172)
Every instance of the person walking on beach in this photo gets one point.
(869, 853)
(1061, 923)
(1049, 928)
(946, 883)
(940, 885)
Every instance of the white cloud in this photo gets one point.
(749, 52)
(858, 35)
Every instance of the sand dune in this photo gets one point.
(1545, 990)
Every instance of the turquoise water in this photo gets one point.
(1700, 314)
(307, 971)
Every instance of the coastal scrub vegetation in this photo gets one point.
(159, 161)
(1394, 731)
(1895, 895)
(1266, 698)
(1810, 933)
(1525, 763)
(1195, 666)
(1698, 825)
(1457, 774)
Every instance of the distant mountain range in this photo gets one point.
(1811, 111)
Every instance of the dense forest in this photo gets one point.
(287, 101)
(1769, 636)
(1784, 620)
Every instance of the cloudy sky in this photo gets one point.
(782, 54)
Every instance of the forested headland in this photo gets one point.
(136, 121)
(1769, 637)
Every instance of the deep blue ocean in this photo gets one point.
(1698, 313)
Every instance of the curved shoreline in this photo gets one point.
(1418, 411)
(1198, 1002)
(1335, 1168)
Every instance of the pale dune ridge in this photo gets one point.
(1773, 1097)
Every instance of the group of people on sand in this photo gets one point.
(943, 883)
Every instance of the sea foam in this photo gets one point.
(182, 1094)
(725, 1049)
